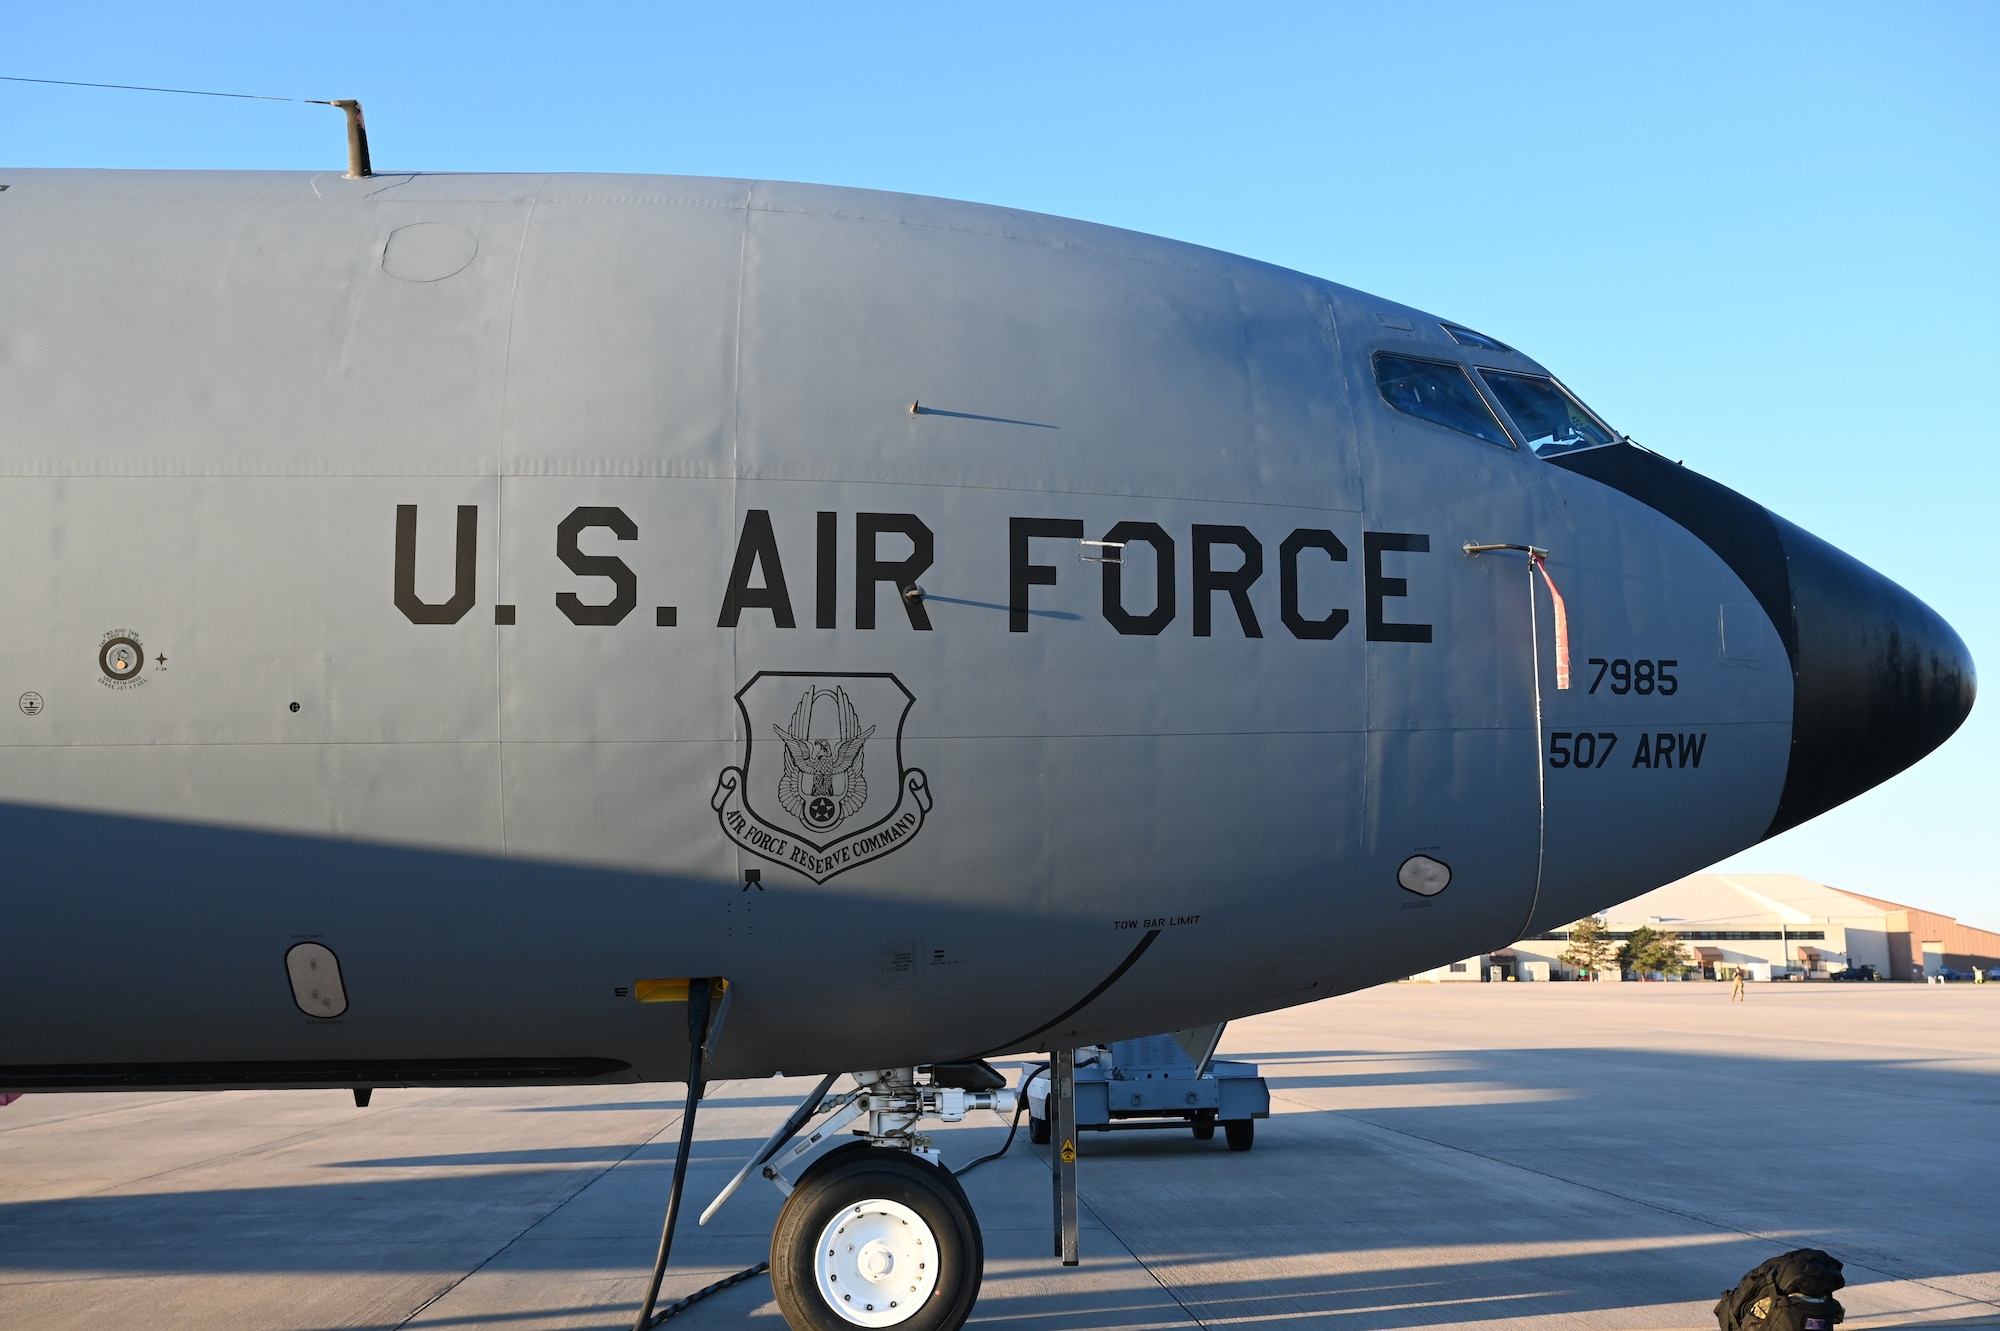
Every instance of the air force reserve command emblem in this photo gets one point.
(802, 797)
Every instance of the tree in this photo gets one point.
(1590, 949)
(1635, 944)
(1650, 949)
(1669, 955)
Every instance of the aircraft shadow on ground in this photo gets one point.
(1368, 1203)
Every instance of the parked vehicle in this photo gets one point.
(1160, 1082)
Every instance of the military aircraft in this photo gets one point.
(482, 629)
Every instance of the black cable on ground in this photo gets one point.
(699, 996)
(682, 1305)
(798, 1119)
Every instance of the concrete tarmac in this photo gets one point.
(1492, 1156)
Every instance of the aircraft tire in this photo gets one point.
(911, 1215)
(1204, 1125)
(1038, 1130)
(1241, 1132)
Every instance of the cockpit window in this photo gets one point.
(1465, 337)
(1440, 392)
(1546, 415)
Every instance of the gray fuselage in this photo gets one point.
(518, 562)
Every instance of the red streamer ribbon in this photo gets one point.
(1562, 622)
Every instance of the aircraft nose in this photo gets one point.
(1879, 678)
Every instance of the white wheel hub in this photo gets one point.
(877, 1262)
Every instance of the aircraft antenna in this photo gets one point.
(357, 137)
(138, 87)
(358, 167)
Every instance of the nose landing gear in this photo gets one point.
(876, 1238)
(877, 1233)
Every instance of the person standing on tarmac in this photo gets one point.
(1736, 989)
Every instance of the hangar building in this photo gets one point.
(1794, 926)
(1768, 924)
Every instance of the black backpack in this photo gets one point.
(1789, 1293)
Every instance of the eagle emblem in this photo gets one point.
(824, 779)
(801, 797)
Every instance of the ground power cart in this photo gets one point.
(1160, 1081)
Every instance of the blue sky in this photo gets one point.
(1760, 238)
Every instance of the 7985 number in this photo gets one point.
(1640, 677)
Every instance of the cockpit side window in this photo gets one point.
(1465, 337)
(1546, 415)
(1439, 392)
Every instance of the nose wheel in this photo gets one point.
(874, 1237)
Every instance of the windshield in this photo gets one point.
(1440, 392)
(1465, 337)
(1545, 414)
